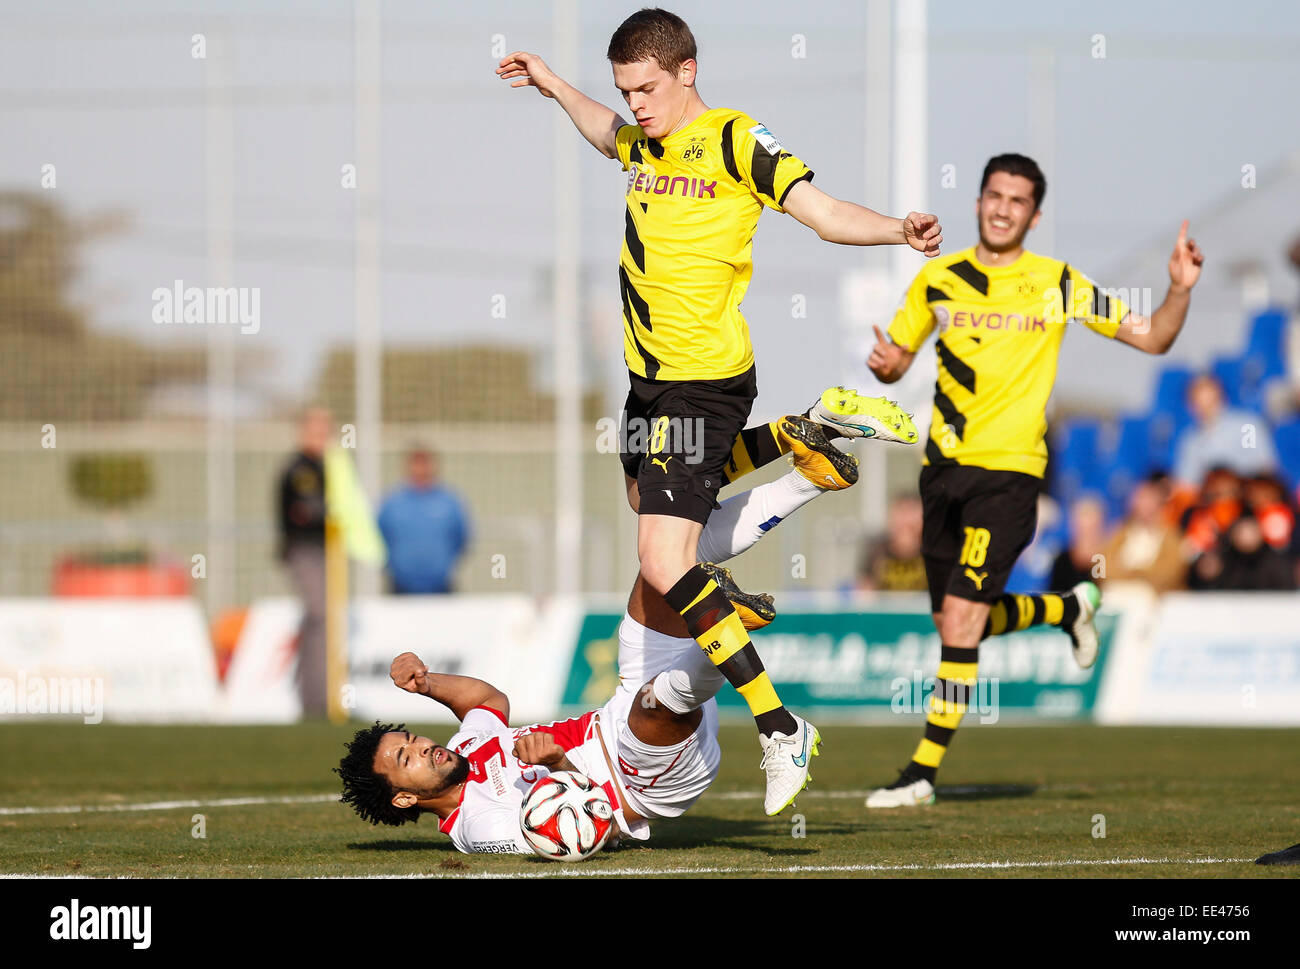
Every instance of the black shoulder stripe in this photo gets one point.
(959, 369)
(949, 412)
(763, 166)
(728, 152)
(1100, 303)
(635, 307)
(934, 455)
(971, 276)
(1065, 290)
(656, 149)
(635, 247)
(634, 153)
(932, 294)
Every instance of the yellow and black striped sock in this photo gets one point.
(1014, 612)
(715, 625)
(953, 687)
(754, 447)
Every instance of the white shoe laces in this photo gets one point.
(773, 746)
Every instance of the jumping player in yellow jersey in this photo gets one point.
(1000, 312)
(698, 179)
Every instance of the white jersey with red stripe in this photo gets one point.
(657, 782)
(487, 818)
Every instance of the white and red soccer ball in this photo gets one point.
(566, 817)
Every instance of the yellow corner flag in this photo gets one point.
(347, 504)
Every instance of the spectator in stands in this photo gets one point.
(1235, 439)
(425, 527)
(1146, 547)
(1244, 562)
(894, 563)
(1078, 560)
(1218, 505)
(1266, 497)
(302, 549)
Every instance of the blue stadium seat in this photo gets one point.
(1266, 334)
(1169, 415)
(1077, 463)
(1246, 378)
(1287, 439)
(1171, 390)
(1133, 447)
(1164, 433)
(1120, 481)
(1230, 373)
(1129, 461)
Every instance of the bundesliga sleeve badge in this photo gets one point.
(765, 138)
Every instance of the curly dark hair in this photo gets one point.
(368, 791)
(653, 33)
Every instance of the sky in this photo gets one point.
(1156, 130)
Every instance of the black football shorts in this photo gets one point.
(676, 438)
(976, 523)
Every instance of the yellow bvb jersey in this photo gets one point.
(693, 202)
(1000, 331)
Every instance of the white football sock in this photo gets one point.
(684, 690)
(742, 520)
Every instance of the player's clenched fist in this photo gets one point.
(409, 672)
(923, 233)
(530, 70)
(539, 748)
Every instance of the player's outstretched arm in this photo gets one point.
(597, 123)
(835, 220)
(459, 694)
(1157, 334)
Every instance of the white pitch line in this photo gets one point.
(167, 805)
(582, 872)
(578, 871)
(324, 798)
(957, 789)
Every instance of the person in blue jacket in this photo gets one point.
(425, 527)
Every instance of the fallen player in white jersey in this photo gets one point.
(653, 748)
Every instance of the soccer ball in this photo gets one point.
(566, 817)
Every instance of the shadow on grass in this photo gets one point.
(744, 834)
(420, 844)
(984, 792)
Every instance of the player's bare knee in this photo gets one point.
(648, 705)
(661, 573)
(962, 622)
(653, 723)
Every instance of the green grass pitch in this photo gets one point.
(1014, 801)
